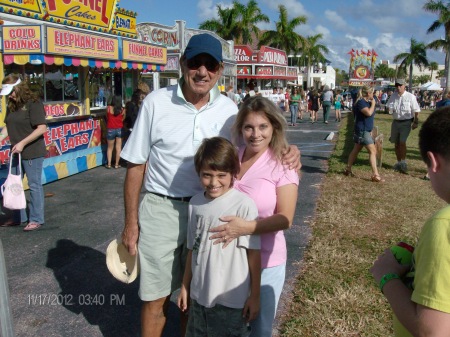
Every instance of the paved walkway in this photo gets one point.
(58, 280)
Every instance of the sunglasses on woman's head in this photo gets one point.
(210, 64)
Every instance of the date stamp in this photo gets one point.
(75, 300)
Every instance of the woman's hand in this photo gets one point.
(18, 148)
(234, 228)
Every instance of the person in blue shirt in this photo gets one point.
(444, 101)
(364, 110)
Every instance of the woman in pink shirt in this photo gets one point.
(260, 131)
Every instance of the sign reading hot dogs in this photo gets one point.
(22, 39)
(143, 52)
(74, 43)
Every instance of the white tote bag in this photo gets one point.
(12, 189)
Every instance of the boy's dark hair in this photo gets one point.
(217, 154)
(434, 136)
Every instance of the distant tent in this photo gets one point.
(431, 86)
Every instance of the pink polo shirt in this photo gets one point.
(260, 182)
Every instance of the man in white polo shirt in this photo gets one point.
(406, 117)
(171, 125)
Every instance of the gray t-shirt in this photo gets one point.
(327, 96)
(220, 275)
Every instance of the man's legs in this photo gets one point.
(162, 255)
(153, 317)
(400, 151)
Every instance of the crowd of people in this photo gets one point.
(298, 102)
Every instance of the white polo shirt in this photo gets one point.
(168, 132)
(404, 106)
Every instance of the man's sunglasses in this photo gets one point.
(211, 65)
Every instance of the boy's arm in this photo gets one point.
(251, 307)
(432, 322)
(419, 320)
(183, 297)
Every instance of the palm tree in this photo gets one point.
(312, 52)
(225, 26)
(443, 12)
(417, 55)
(391, 74)
(248, 17)
(284, 37)
(237, 23)
(382, 70)
(433, 66)
(442, 45)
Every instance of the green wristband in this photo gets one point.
(386, 278)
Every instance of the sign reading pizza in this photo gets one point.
(272, 56)
(244, 54)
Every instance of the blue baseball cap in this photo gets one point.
(204, 44)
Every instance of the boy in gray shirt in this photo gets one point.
(223, 283)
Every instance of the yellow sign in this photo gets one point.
(22, 6)
(86, 13)
(74, 43)
(143, 52)
(22, 39)
(124, 23)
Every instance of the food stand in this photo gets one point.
(76, 63)
(265, 68)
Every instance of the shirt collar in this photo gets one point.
(213, 94)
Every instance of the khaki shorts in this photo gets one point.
(162, 246)
(400, 130)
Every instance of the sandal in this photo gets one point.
(377, 179)
(117, 166)
(348, 172)
(10, 224)
(108, 166)
(32, 226)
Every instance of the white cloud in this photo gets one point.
(207, 9)
(336, 20)
(293, 7)
(359, 42)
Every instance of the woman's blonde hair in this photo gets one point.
(364, 92)
(262, 106)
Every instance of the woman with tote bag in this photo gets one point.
(25, 126)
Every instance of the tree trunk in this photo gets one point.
(447, 72)
(308, 75)
(410, 76)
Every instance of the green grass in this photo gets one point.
(355, 221)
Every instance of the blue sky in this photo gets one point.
(382, 25)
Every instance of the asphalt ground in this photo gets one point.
(58, 281)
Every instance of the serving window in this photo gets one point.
(53, 83)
